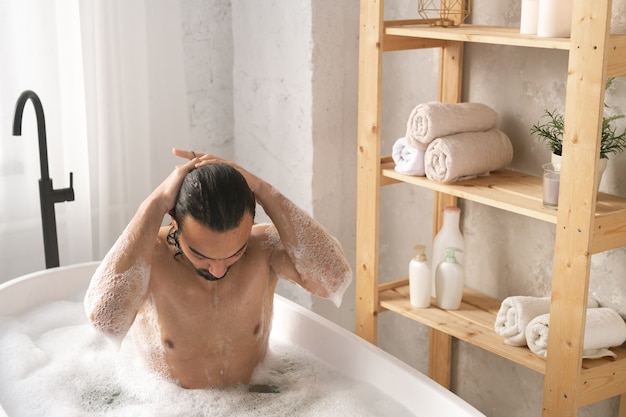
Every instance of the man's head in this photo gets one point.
(212, 218)
(216, 195)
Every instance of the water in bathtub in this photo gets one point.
(54, 364)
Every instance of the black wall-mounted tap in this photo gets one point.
(48, 196)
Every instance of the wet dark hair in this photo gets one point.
(215, 195)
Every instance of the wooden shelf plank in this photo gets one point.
(426, 36)
(522, 194)
(470, 323)
(603, 378)
(609, 224)
(508, 190)
(616, 49)
(474, 323)
(494, 35)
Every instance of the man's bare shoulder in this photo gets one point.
(265, 236)
(164, 249)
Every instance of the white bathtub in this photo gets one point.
(327, 341)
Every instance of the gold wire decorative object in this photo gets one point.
(444, 12)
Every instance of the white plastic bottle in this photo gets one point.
(449, 236)
(449, 281)
(419, 279)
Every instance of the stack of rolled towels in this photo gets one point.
(449, 142)
(524, 321)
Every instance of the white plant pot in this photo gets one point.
(556, 163)
(601, 168)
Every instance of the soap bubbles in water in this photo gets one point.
(54, 363)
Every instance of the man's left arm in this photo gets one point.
(303, 251)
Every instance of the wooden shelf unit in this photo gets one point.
(474, 323)
(587, 222)
(409, 34)
(522, 194)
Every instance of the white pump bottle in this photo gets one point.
(448, 236)
(419, 279)
(449, 280)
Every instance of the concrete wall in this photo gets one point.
(208, 48)
(273, 84)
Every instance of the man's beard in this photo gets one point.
(209, 276)
(172, 239)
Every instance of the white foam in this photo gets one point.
(54, 364)
(316, 254)
(113, 298)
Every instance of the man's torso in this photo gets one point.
(207, 333)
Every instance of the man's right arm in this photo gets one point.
(120, 284)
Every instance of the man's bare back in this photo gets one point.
(200, 308)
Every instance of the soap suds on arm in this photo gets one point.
(115, 296)
(317, 256)
(120, 284)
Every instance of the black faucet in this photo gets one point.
(48, 196)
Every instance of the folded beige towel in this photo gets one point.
(467, 155)
(433, 120)
(517, 311)
(604, 328)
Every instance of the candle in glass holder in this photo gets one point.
(554, 19)
(551, 182)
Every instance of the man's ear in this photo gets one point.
(174, 222)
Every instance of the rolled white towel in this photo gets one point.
(604, 328)
(409, 159)
(514, 315)
(517, 311)
(429, 121)
(467, 155)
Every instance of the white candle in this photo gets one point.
(555, 18)
(551, 182)
(530, 14)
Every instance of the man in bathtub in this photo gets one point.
(196, 296)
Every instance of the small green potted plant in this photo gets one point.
(551, 132)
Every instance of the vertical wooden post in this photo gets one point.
(439, 355)
(450, 82)
(368, 175)
(577, 201)
(451, 72)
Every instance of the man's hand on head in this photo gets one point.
(202, 159)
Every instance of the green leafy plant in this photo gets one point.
(551, 132)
